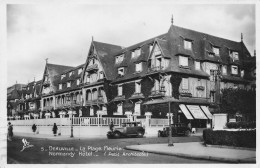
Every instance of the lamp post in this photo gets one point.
(170, 141)
(71, 115)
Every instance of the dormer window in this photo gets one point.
(136, 53)
(224, 69)
(78, 81)
(197, 65)
(234, 70)
(27, 88)
(242, 73)
(121, 71)
(138, 87)
(68, 84)
(234, 55)
(187, 44)
(150, 48)
(60, 86)
(138, 67)
(216, 51)
(183, 61)
(119, 58)
(101, 75)
(63, 76)
(70, 73)
(79, 71)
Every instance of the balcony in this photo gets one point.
(92, 68)
(137, 96)
(46, 84)
(119, 98)
(155, 69)
(157, 93)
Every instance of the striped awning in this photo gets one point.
(185, 111)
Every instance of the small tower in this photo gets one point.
(172, 20)
(241, 37)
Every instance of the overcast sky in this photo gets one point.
(63, 33)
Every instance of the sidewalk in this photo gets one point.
(197, 150)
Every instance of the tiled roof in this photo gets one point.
(55, 69)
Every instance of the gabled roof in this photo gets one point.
(55, 69)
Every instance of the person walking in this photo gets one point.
(54, 129)
(111, 126)
(34, 128)
(10, 132)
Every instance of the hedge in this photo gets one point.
(230, 138)
(244, 125)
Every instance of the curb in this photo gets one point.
(230, 147)
(213, 158)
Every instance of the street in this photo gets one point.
(84, 151)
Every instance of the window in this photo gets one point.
(212, 97)
(183, 61)
(120, 90)
(185, 83)
(70, 73)
(215, 50)
(101, 75)
(150, 48)
(224, 69)
(120, 108)
(91, 111)
(136, 53)
(68, 84)
(197, 65)
(121, 71)
(119, 58)
(187, 44)
(78, 81)
(138, 87)
(138, 67)
(60, 86)
(63, 76)
(79, 71)
(234, 70)
(156, 85)
(88, 79)
(234, 55)
(138, 108)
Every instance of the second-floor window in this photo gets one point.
(121, 71)
(234, 70)
(68, 84)
(187, 44)
(138, 87)
(185, 84)
(120, 90)
(224, 69)
(183, 61)
(138, 67)
(197, 65)
(60, 86)
(216, 51)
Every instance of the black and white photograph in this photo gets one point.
(129, 82)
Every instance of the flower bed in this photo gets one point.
(230, 138)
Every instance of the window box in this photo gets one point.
(202, 88)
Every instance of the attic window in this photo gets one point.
(101, 75)
(197, 65)
(78, 81)
(119, 58)
(224, 69)
(70, 73)
(216, 50)
(121, 71)
(63, 76)
(68, 84)
(150, 48)
(60, 86)
(242, 73)
(79, 71)
(138, 67)
(187, 44)
(234, 55)
(120, 90)
(136, 53)
(183, 61)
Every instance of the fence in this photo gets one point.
(86, 121)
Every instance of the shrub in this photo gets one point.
(230, 138)
(244, 125)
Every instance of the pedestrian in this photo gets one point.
(189, 126)
(10, 132)
(111, 126)
(54, 129)
(34, 128)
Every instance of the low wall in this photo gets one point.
(78, 131)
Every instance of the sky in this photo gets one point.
(63, 32)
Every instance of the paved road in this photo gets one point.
(75, 151)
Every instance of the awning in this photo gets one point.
(196, 112)
(185, 111)
(206, 111)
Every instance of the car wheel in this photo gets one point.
(187, 133)
(140, 134)
(117, 135)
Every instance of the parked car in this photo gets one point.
(128, 129)
(177, 129)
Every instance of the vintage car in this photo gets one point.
(128, 129)
(177, 129)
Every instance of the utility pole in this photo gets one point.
(170, 141)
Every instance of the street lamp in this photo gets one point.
(70, 114)
(170, 141)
